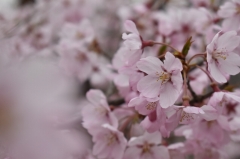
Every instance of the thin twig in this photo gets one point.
(197, 55)
(194, 95)
(116, 102)
(165, 45)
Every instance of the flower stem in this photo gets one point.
(159, 43)
(185, 97)
(214, 84)
(197, 55)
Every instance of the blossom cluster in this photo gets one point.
(120, 79)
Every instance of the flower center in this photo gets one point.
(238, 9)
(220, 54)
(79, 35)
(146, 147)
(151, 106)
(111, 138)
(186, 116)
(81, 57)
(164, 77)
(101, 110)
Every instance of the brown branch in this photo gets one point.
(117, 102)
(207, 95)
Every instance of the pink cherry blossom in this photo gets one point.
(185, 115)
(230, 11)
(109, 143)
(163, 80)
(222, 60)
(143, 98)
(79, 32)
(143, 106)
(156, 121)
(76, 60)
(146, 146)
(98, 112)
(198, 81)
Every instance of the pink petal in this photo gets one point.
(134, 141)
(146, 156)
(228, 67)
(233, 96)
(216, 73)
(212, 45)
(135, 101)
(168, 96)
(153, 138)
(150, 65)
(160, 152)
(149, 86)
(95, 96)
(227, 10)
(177, 81)
(171, 63)
(231, 23)
(210, 113)
(132, 152)
(131, 27)
(132, 41)
(223, 122)
(233, 59)
(193, 110)
(235, 124)
(142, 106)
(98, 148)
(150, 126)
(228, 41)
(134, 57)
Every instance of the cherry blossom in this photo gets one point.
(109, 143)
(222, 60)
(100, 108)
(230, 11)
(71, 87)
(163, 79)
(146, 146)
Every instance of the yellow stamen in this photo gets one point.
(151, 106)
(164, 77)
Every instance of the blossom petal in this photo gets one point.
(177, 81)
(134, 56)
(231, 23)
(210, 113)
(143, 106)
(149, 86)
(216, 73)
(228, 41)
(233, 96)
(169, 95)
(193, 110)
(171, 63)
(132, 152)
(233, 59)
(229, 68)
(131, 27)
(97, 98)
(153, 138)
(160, 152)
(223, 122)
(150, 65)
